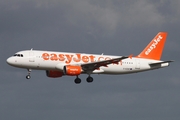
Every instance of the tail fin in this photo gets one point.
(154, 49)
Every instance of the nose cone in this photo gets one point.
(9, 61)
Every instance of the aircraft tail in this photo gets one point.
(155, 48)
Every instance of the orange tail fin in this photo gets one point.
(154, 49)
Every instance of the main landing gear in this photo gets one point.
(77, 80)
(29, 72)
(89, 79)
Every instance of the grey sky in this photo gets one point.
(111, 27)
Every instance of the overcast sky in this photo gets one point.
(116, 27)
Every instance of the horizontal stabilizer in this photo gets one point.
(160, 63)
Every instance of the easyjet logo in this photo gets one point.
(68, 58)
(154, 44)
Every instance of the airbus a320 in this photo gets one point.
(58, 64)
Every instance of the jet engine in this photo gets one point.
(54, 74)
(72, 70)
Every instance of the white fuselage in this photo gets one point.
(50, 60)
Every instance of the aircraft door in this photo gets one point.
(137, 64)
(31, 56)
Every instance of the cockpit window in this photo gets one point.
(19, 55)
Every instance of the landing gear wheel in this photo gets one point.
(28, 77)
(77, 80)
(89, 79)
(29, 72)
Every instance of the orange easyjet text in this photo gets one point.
(68, 58)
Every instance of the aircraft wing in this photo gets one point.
(89, 67)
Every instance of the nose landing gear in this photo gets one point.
(29, 72)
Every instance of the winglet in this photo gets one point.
(130, 56)
(155, 48)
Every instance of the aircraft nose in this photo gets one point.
(9, 61)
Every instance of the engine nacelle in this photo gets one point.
(72, 70)
(54, 74)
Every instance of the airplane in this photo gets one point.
(58, 64)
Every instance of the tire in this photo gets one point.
(28, 77)
(77, 80)
(89, 79)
